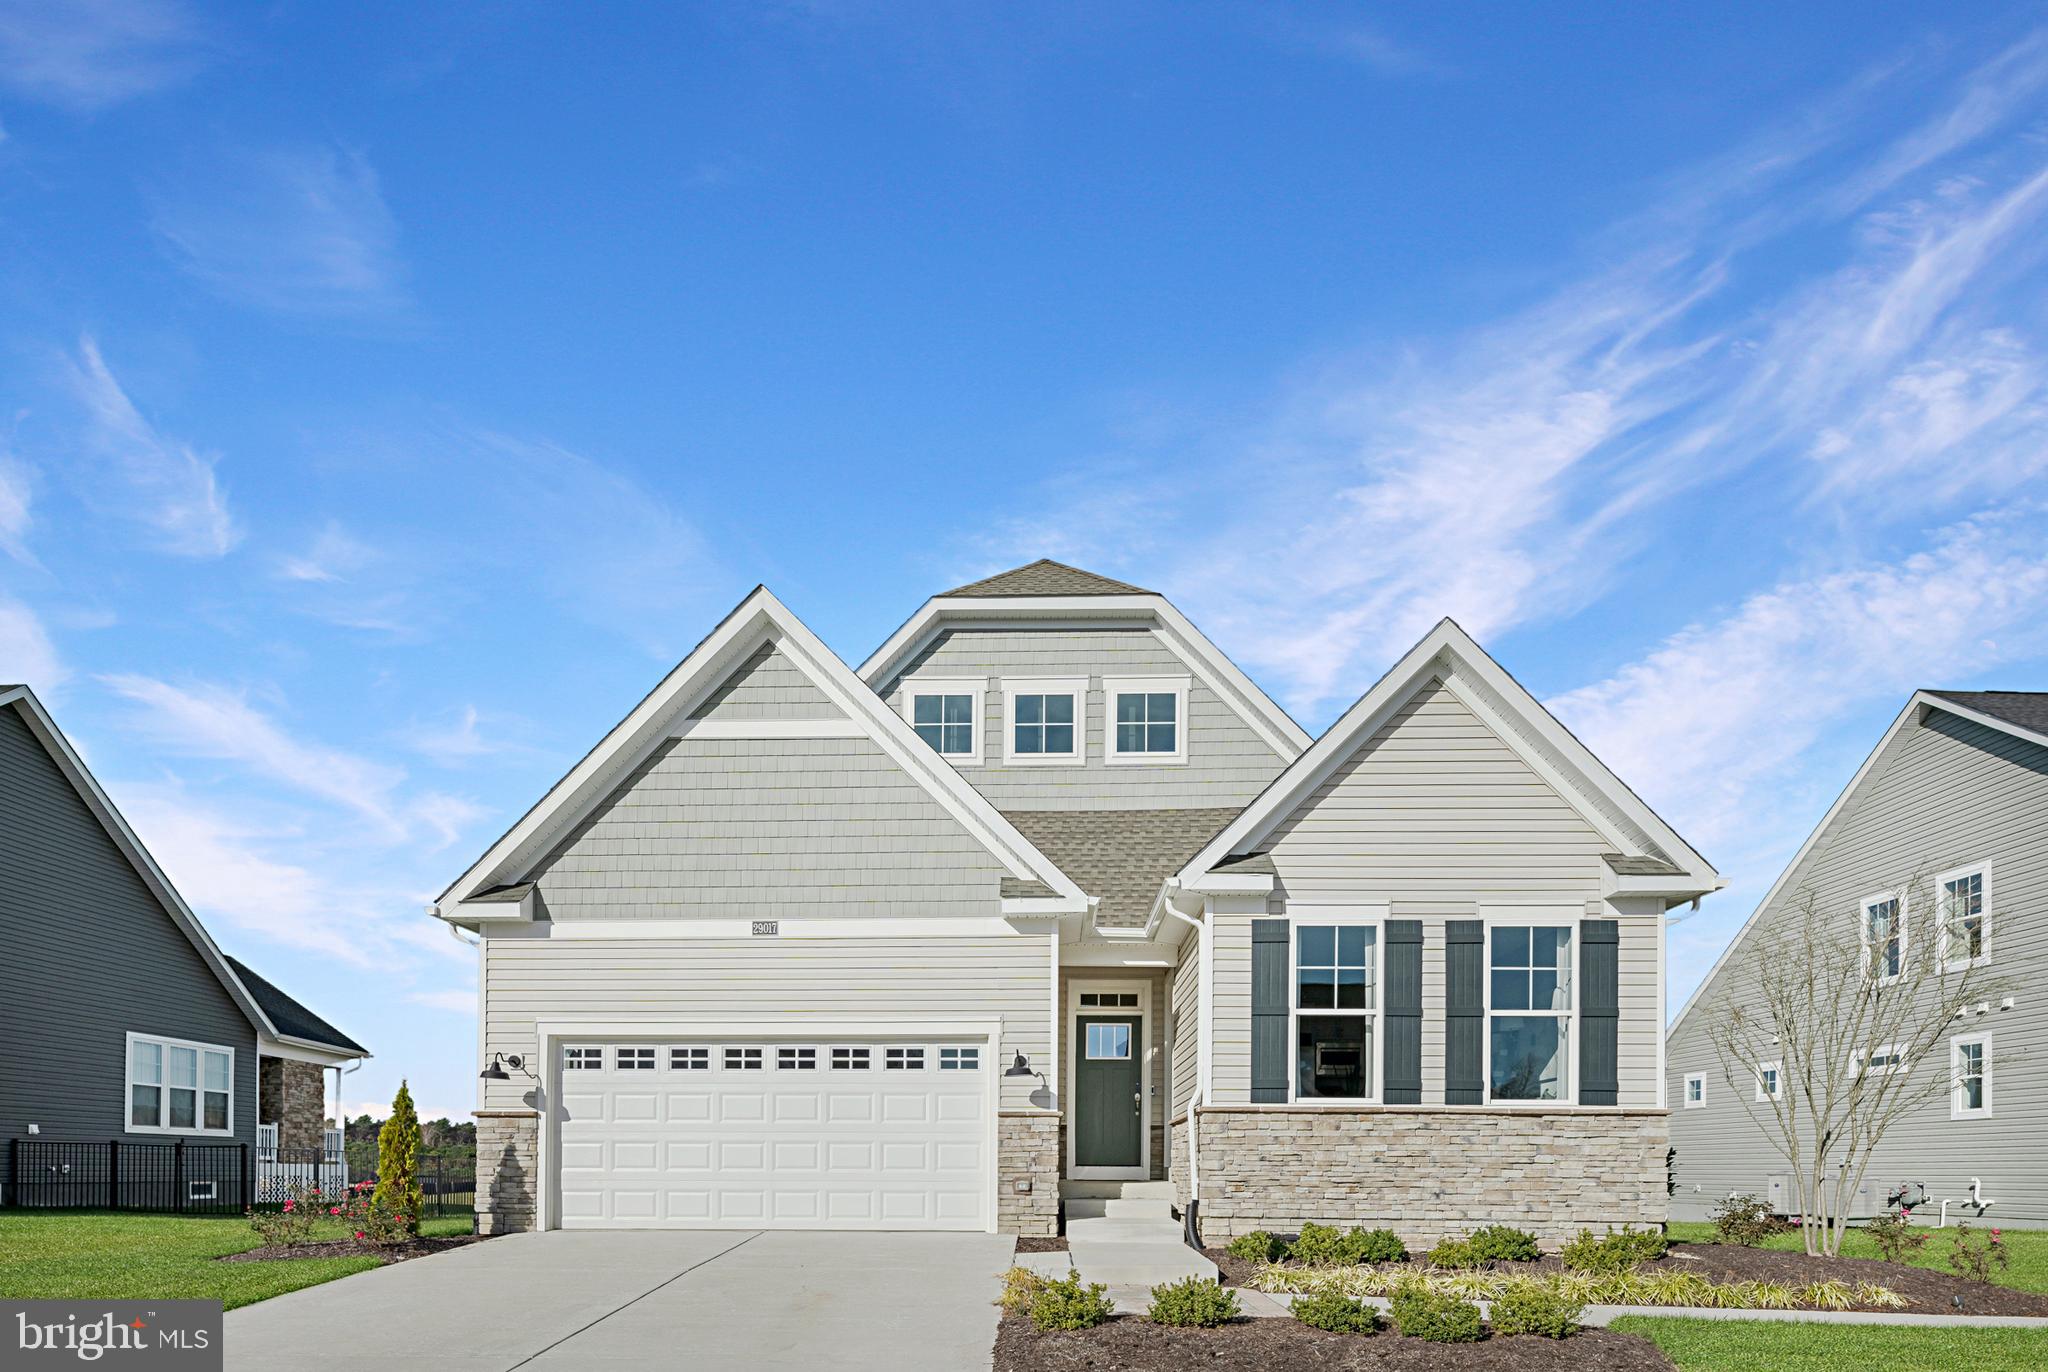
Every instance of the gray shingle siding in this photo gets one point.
(1943, 794)
(91, 956)
(767, 686)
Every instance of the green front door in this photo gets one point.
(1107, 1107)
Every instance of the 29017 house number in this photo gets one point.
(769, 927)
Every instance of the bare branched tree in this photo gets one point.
(1836, 1026)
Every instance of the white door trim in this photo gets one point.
(1075, 986)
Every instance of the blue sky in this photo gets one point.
(388, 396)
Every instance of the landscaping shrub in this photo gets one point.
(1500, 1243)
(1973, 1255)
(1745, 1220)
(1257, 1246)
(293, 1222)
(1535, 1307)
(1020, 1284)
(1453, 1253)
(1338, 1314)
(1374, 1245)
(1421, 1313)
(1318, 1245)
(1193, 1303)
(398, 1199)
(1895, 1236)
(1620, 1250)
(1067, 1304)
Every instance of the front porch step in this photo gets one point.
(1104, 1229)
(1085, 1208)
(1075, 1188)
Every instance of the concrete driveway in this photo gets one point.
(761, 1301)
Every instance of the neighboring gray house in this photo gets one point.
(1956, 792)
(1049, 896)
(121, 1017)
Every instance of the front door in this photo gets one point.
(1109, 1107)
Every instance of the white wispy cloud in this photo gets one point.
(88, 54)
(332, 555)
(467, 735)
(15, 500)
(456, 1002)
(301, 230)
(142, 474)
(26, 653)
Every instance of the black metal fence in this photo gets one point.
(199, 1178)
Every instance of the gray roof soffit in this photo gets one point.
(1045, 578)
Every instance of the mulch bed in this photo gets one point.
(1132, 1344)
(1041, 1243)
(349, 1248)
(1926, 1292)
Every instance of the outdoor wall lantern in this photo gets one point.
(499, 1061)
(1022, 1068)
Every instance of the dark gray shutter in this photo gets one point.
(1403, 1013)
(1599, 1012)
(1269, 1010)
(1464, 1011)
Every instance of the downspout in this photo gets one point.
(1202, 970)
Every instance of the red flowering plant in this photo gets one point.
(293, 1222)
(371, 1222)
(1973, 1255)
(1895, 1236)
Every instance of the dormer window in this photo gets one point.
(1045, 721)
(947, 715)
(1147, 720)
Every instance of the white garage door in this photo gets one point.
(724, 1134)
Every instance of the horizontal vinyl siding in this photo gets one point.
(1231, 956)
(1187, 1024)
(1228, 763)
(90, 956)
(767, 686)
(1944, 795)
(767, 829)
(630, 979)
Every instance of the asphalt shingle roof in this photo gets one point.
(1016, 888)
(1627, 866)
(1120, 856)
(1046, 577)
(2028, 709)
(290, 1017)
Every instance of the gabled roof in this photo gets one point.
(292, 1019)
(1045, 577)
(758, 618)
(1448, 654)
(88, 788)
(1120, 856)
(2026, 710)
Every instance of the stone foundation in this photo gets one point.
(1427, 1172)
(1028, 1150)
(507, 1170)
(1178, 1172)
(293, 1096)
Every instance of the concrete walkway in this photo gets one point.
(766, 1302)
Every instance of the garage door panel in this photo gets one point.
(796, 1155)
(848, 1107)
(683, 1155)
(687, 1107)
(634, 1107)
(742, 1155)
(634, 1155)
(743, 1106)
(902, 1107)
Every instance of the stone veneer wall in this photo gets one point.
(507, 1170)
(1430, 1172)
(293, 1096)
(1178, 1172)
(1028, 1149)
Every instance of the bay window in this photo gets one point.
(1336, 1010)
(1528, 1012)
(176, 1087)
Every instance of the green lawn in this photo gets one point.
(86, 1254)
(1754, 1345)
(2028, 1249)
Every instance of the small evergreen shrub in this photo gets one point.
(1338, 1314)
(1374, 1245)
(1067, 1304)
(1318, 1245)
(1619, 1250)
(1421, 1313)
(1745, 1220)
(1499, 1243)
(1020, 1284)
(1453, 1253)
(1895, 1236)
(1193, 1303)
(397, 1199)
(1257, 1246)
(1534, 1307)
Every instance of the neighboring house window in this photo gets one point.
(1147, 720)
(1970, 1071)
(1336, 1009)
(1528, 1012)
(1884, 935)
(1884, 1062)
(1046, 721)
(1965, 908)
(947, 715)
(176, 1087)
(1696, 1090)
(1770, 1080)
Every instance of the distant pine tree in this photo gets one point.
(398, 1155)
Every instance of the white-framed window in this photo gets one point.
(1886, 1060)
(1531, 991)
(1045, 723)
(846, 1059)
(1107, 1042)
(176, 1086)
(960, 1059)
(1695, 1090)
(1770, 1080)
(796, 1059)
(1147, 720)
(1963, 904)
(1109, 1000)
(742, 1059)
(903, 1059)
(1884, 934)
(689, 1058)
(947, 715)
(1334, 1015)
(581, 1057)
(1969, 1057)
(202, 1190)
(633, 1059)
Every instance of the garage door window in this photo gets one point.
(742, 1059)
(689, 1059)
(634, 1059)
(906, 1059)
(959, 1059)
(851, 1059)
(796, 1059)
(583, 1059)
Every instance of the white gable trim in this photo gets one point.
(102, 806)
(1169, 625)
(1449, 655)
(757, 619)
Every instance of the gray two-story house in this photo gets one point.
(123, 1022)
(1951, 807)
(1048, 896)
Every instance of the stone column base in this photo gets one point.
(507, 1170)
(1028, 1153)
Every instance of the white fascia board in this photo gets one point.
(1222, 883)
(1175, 629)
(1041, 907)
(759, 617)
(111, 820)
(305, 1050)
